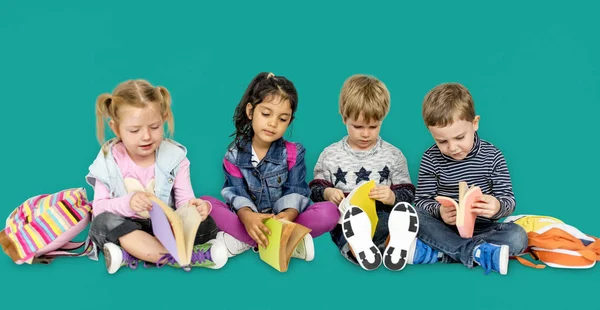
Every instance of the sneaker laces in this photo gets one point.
(130, 260)
(200, 255)
(166, 259)
(237, 246)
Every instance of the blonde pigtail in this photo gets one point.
(167, 112)
(102, 105)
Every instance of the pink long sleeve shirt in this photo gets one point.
(182, 185)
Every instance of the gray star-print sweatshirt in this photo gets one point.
(342, 167)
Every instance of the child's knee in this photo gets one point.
(517, 239)
(209, 224)
(216, 203)
(426, 219)
(105, 222)
(332, 214)
(207, 231)
(422, 213)
(109, 227)
(101, 225)
(329, 214)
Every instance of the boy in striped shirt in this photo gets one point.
(460, 155)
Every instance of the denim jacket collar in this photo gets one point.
(275, 154)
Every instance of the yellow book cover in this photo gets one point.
(359, 197)
(284, 238)
(270, 255)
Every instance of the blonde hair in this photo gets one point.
(364, 94)
(134, 93)
(446, 103)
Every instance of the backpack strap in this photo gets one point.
(67, 250)
(556, 238)
(521, 259)
(72, 245)
(595, 247)
(292, 154)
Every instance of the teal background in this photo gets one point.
(532, 67)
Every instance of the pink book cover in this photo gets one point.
(466, 230)
(466, 224)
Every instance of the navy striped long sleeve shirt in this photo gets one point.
(484, 166)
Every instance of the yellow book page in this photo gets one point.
(191, 220)
(361, 199)
(270, 255)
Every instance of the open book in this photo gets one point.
(465, 219)
(359, 197)
(284, 238)
(175, 229)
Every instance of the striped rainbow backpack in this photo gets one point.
(43, 226)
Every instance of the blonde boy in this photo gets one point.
(360, 156)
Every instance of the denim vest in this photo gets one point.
(275, 184)
(168, 157)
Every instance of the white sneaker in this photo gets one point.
(233, 245)
(115, 257)
(305, 249)
(218, 255)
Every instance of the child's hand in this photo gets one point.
(334, 195)
(202, 206)
(383, 193)
(288, 214)
(254, 224)
(487, 206)
(448, 215)
(140, 202)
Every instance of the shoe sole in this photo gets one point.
(113, 262)
(403, 225)
(357, 231)
(504, 259)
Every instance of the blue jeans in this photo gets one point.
(445, 239)
(379, 238)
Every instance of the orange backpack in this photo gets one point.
(556, 244)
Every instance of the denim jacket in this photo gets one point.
(277, 183)
(169, 155)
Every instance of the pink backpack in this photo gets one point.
(43, 227)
